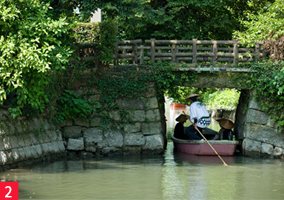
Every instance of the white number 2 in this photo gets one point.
(7, 195)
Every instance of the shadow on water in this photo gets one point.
(79, 164)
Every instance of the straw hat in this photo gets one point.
(192, 95)
(225, 123)
(181, 118)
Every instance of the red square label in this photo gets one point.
(9, 190)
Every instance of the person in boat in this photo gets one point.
(179, 128)
(199, 115)
(226, 132)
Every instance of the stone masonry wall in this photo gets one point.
(259, 136)
(146, 135)
(24, 140)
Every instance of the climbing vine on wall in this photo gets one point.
(267, 82)
(113, 84)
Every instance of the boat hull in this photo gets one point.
(198, 147)
(205, 149)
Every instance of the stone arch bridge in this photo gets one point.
(258, 135)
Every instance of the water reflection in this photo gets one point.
(171, 176)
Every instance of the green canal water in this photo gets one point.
(169, 176)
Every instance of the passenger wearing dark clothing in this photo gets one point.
(179, 128)
(226, 132)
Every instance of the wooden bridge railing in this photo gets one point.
(191, 52)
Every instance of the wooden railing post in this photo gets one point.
(215, 51)
(236, 52)
(134, 53)
(257, 52)
(194, 51)
(173, 52)
(141, 54)
(153, 49)
(115, 62)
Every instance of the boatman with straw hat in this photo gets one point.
(199, 115)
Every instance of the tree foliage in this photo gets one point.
(32, 47)
(268, 22)
(267, 26)
(172, 19)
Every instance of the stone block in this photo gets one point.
(138, 115)
(270, 122)
(72, 132)
(114, 138)
(3, 158)
(256, 116)
(154, 144)
(34, 138)
(153, 115)
(45, 149)
(114, 115)
(37, 124)
(26, 138)
(94, 135)
(38, 149)
(22, 154)
(153, 128)
(53, 146)
(12, 127)
(95, 122)
(75, 144)
(82, 122)
(251, 147)
(16, 155)
(90, 147)
(135, 104)
(4, 115)
(27, 152)
(132, 128)
(34, 152)
(151, 92)
(1, 144)
(17, 124)
(21, 142)
(4, 128)
(253, 104)
(134, 139)
(111, 150)
(27, 126)
(14, 141)
(152, 103)
(94, 98)
(67, 122)
(267, 149)
(264, 134)
(132, 149)
(94, 90)
(59, 135)
(10, 158)
(278, 151)
(61, 146)
(7, 143)
(52, 135)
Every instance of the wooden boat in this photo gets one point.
(201, 147)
